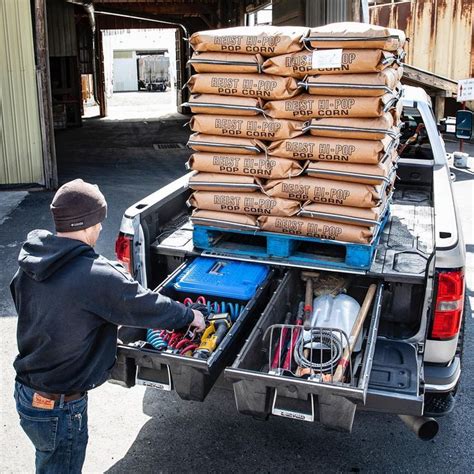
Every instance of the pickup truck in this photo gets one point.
(411, 362)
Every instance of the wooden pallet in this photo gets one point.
(294, 249)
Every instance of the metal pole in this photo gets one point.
(364, 11)
(461, 141)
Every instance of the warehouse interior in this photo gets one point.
(83, 24)
(68, 42)
(76, 49)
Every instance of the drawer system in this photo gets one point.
(316, 359)
(157, 360)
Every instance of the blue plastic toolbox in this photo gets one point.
(223, 278)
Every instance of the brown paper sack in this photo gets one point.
(361, 85)
(359, 128)
(262, 128)
(224, 220)
(247, 165)
(244, 85)
(225, 62)
(218, 104)
(300, 64)
(341, 193)
(265, 40)
(224, 182)
(220, 144)
(307, 106)
(333, 149)
(397, 112)
(356, 35)
(257, 204)
(316, 228)
(399, 69)
(353, 172)
(367, 217)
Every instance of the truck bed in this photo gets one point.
(403, 253)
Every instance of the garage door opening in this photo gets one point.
(139, 73)
(131, 134)
(118, 88)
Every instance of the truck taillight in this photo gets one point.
(449, 305)
(123, 250)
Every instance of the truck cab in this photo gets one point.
(410, 362)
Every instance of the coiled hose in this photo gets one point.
(331, 343)
(234, 309)
(156, 339)
(161, 340)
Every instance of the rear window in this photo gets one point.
(414, 141)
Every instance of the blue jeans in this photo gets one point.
(59, 435)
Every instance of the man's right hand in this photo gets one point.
(198, 322)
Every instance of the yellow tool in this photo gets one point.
(219, 325)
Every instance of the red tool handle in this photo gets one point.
(294, 338)
(278, 351)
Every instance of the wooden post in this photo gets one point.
(440, 101)
(44, 94)
(101, 93)
(242, 12)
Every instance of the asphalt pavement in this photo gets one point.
(147, 431)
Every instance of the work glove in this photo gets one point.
(202, 308)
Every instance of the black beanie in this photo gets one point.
(78, 205)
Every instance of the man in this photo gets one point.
(70, 301)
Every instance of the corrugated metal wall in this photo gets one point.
(322, 12)
(440, 33)
(312, 12)
(21, 160)
(62, 40)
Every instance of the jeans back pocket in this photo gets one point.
(41, 430)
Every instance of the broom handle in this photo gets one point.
(359, 322)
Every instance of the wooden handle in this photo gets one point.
(358, 324)
(308, 304)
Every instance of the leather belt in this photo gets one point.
(57, 396)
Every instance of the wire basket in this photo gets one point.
(319, 354)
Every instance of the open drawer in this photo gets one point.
(261, 390)
(192, 378)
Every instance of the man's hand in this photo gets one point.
(198, 322)
(202, 308)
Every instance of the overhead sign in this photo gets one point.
(465, 90)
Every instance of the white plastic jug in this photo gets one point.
(338, 312)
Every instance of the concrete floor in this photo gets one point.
(147, 431)
(136, 105)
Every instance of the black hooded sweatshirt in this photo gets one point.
(70, 301)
